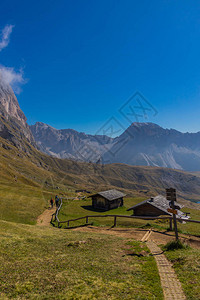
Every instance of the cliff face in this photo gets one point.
(9, 102)
(13, 126)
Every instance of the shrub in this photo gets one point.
(175, 245)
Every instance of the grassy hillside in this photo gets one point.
(28, 180)
(39, 263)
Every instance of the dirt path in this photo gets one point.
(170, 284)
(138, 233)
(45, 218)
(131, 233)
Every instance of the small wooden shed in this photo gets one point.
(154, 207)
(107, 200)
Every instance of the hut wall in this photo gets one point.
(101, 203)
(148, 210)
(98, 202)
(116, 203)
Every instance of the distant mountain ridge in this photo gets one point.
(145, 144)
(68, 143)
(153, 145)
(22, 163)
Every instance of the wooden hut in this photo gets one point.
(155, 207)
(107, 200)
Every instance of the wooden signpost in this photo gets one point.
(171, 196)
(173, 211)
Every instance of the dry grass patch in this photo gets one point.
(47, 263)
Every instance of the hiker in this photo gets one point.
(57, 201)
(51, 202)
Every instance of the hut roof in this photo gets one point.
(159, 202)
(110, 194)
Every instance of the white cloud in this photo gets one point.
(5, 36)
(9, 76)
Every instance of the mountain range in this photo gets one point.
(141, 144)
(144, 144)
(68, 143)
(23, 165)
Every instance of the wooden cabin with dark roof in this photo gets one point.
(107, 200)
(154, 207)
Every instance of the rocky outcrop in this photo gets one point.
(9, 102)
(13, 126)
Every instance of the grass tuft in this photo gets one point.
(175, 245)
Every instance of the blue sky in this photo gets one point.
(82, 60)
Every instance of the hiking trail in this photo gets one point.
(170, 284)
(45, 218)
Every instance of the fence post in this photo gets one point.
(170, 225)
(86, 220)
(115, 221)
(171, 196)
(68, 224)
(175, 226)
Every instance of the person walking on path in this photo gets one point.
(57, 201)
(51, 202)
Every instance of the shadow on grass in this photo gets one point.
(78, 226)
(90, 208)
(134, 254)
(166, 232)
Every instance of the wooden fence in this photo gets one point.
(124, 216)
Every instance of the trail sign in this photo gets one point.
(173, 211)
(171, 194)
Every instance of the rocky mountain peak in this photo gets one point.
(146, 127)
(144, 124)
(9, 102)
(13, 126)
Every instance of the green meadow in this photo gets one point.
(49, 263)
(72, 209)
(57, 263)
